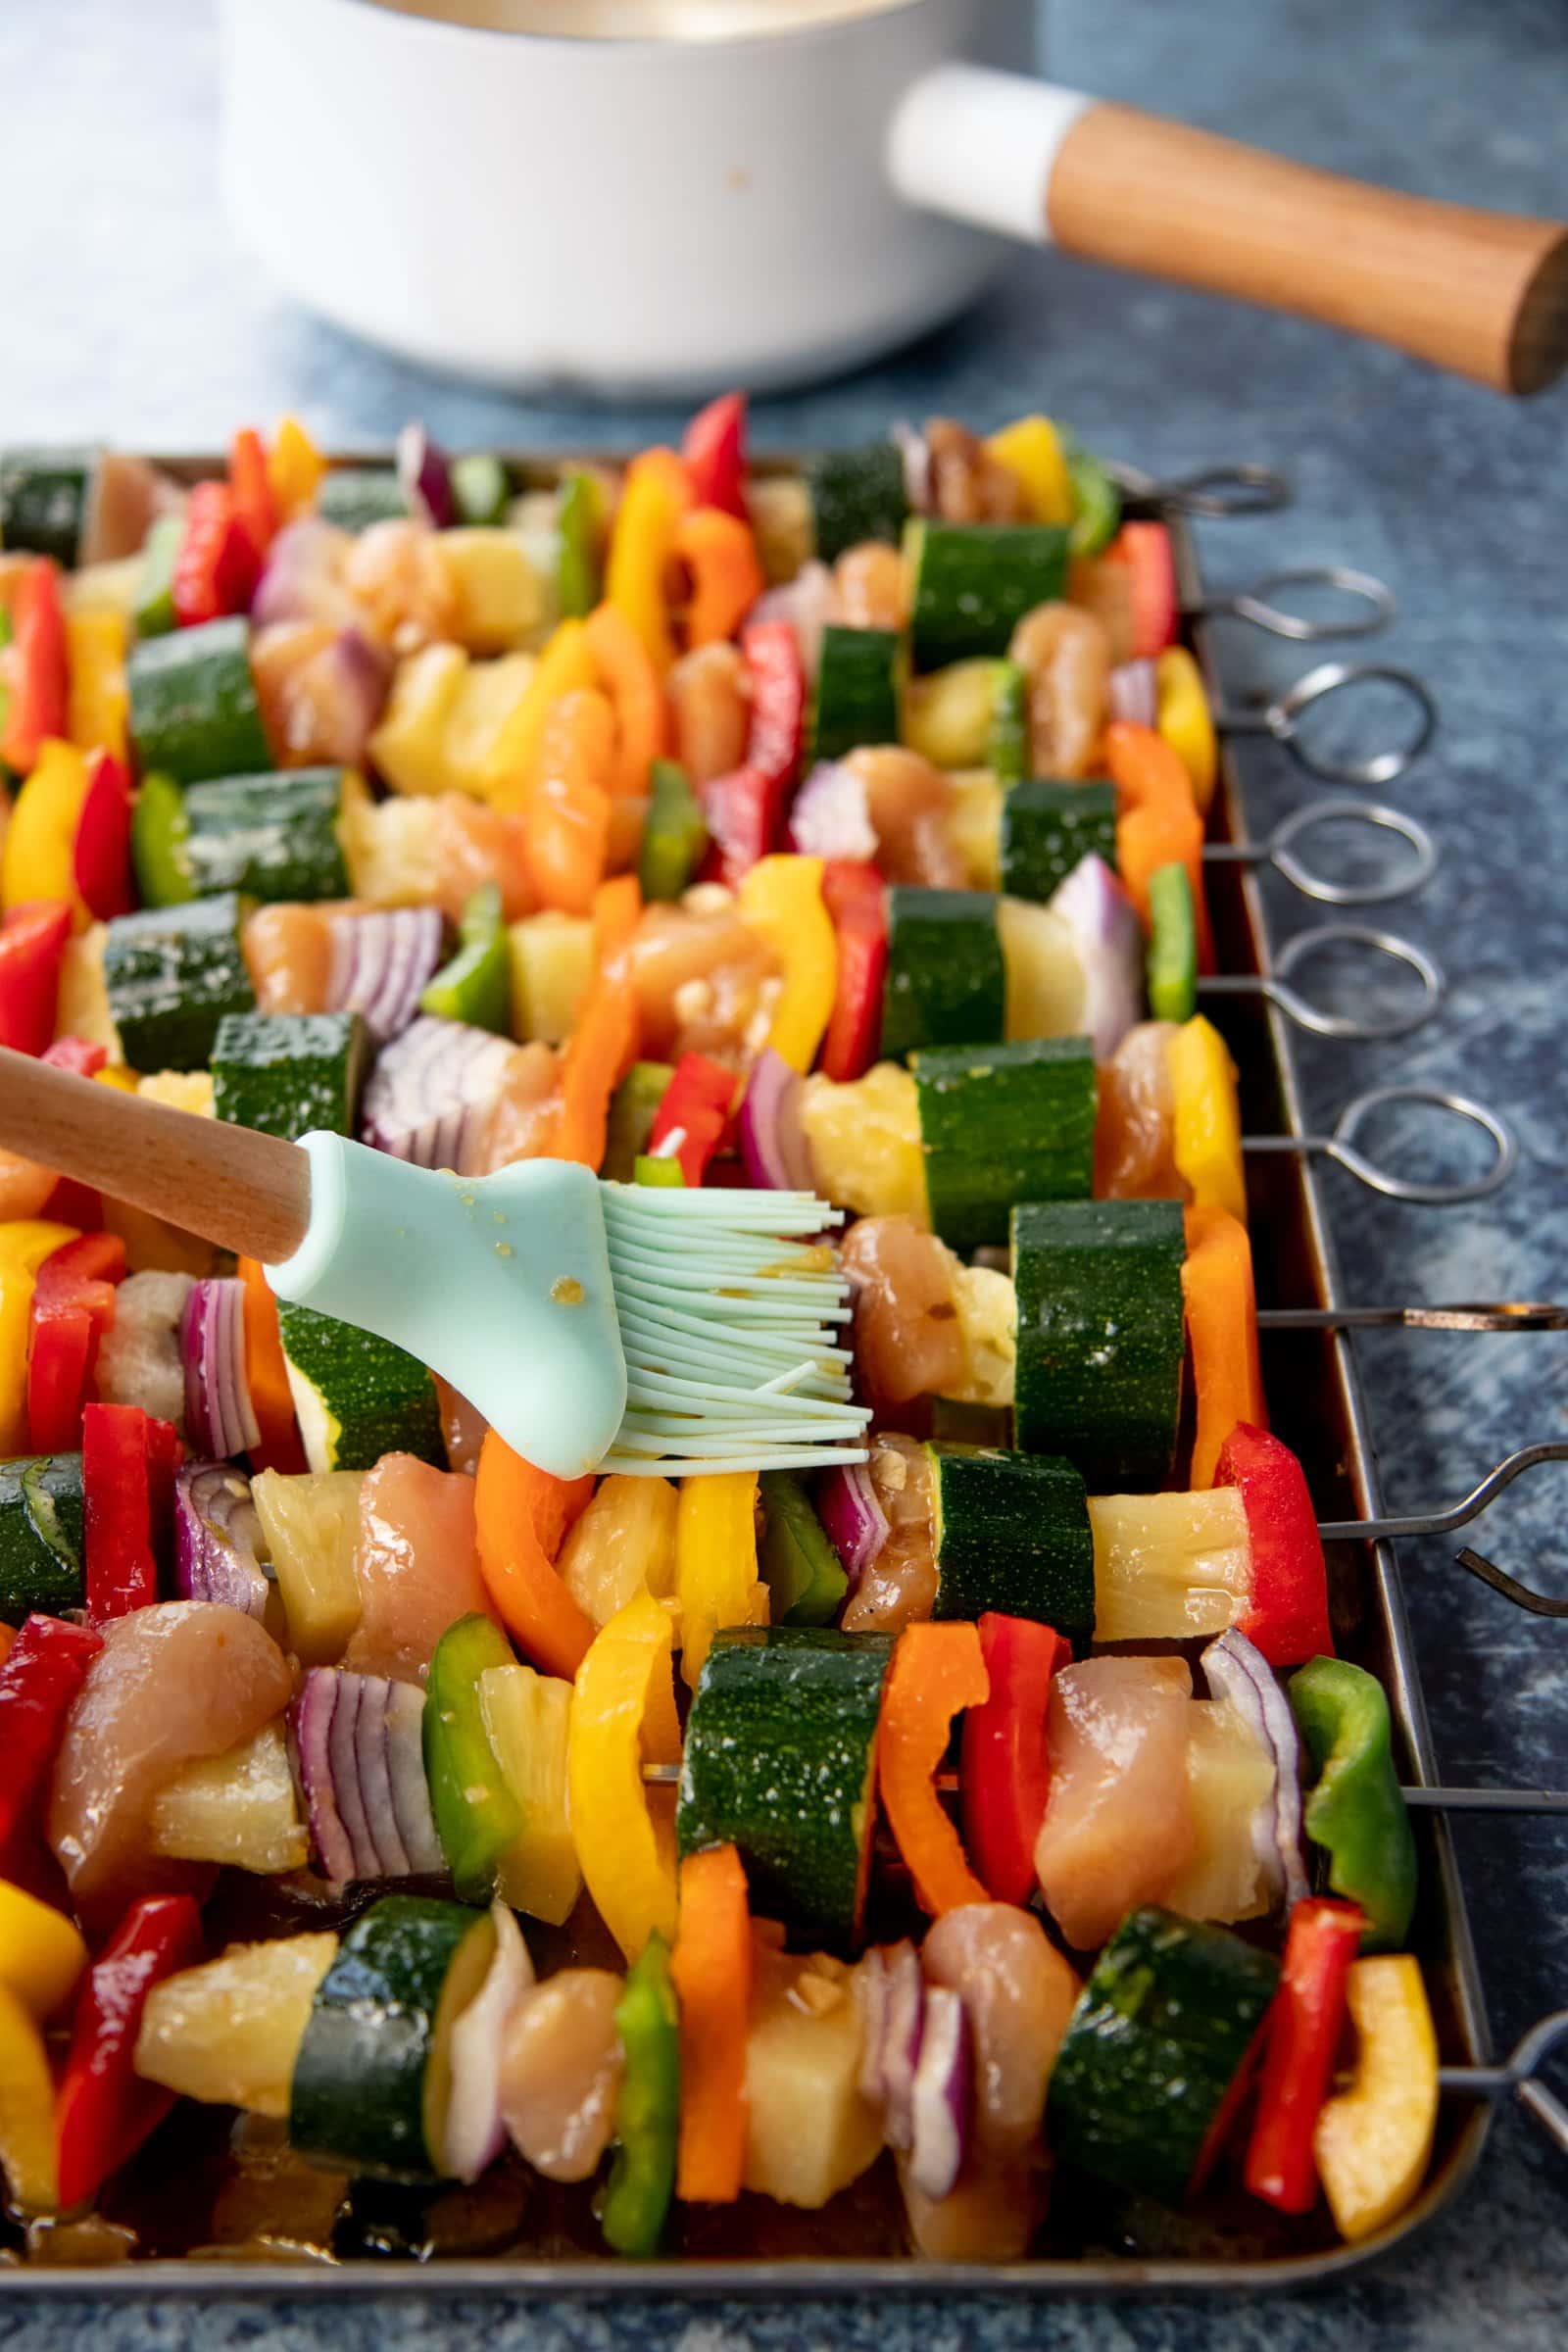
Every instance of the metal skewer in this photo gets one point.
(1276, 986)
(1340, 1147)
(1281, 716)
(1432, 1800)
(1279, 852)
(1530, 1314)
(1257, 604)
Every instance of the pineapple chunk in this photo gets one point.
(527, 1720)
(1168, 1566)
(311, 1526)
(987, 1317)
(1046, 988)
(179, 1090)
(236, 1808)
(864, 1141)
(780, 509)
(500, 598)
(947, 717)
(229, 2032)
(976, 825)
(1228, 1777)
(552, 959)
(484, 701)
(408, 747)
(809, 2130)
(82, 1008)
(622, 1545)
(112, 587)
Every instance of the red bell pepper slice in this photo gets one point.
(251, 489)
(128, 1461)
(37, 666)
(101, 852)
(696, 1105)
(70, 1202)
(106, 2110)
(1303, 2036)
(39, 1681)
(714, 453)
(772, 655)
(744, 812)
(83, 1054)
(219, 564)
(1288, 1605)
(856, 900)
(73, 1306)
(1146, 550)
(32, 947)
(1006, 1775)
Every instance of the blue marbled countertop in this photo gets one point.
(128, 312)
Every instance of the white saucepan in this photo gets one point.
(668, 196)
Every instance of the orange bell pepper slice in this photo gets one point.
(655, 495)
(626, 672)
(37, 666)
(719, 552)
(266, 1376)
(521, 1519)
(565, 831)
(1222, 1334)
(603, 1045)
(1157, 823)
(937, 1670)
(711, 1965)
(251, 489)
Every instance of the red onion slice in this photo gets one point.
(382, 963)
(851, 1514)
(426, 476)
(1133, 695)
(903, 2032)
(474, 2134)
(916, 451)
(218, 1536)
(832, 816)
(773, 1143)
(803, 603)
(433, 1092)
(303, 577)
(356, 1744)
(219, 1414)
(943, 2094)
(1238, 1672)
(1111, 946)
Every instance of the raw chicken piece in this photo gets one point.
(908, 1340)
(417, 1565)
(899, 1588)
(174, 1683)
(1118, 1828)
(561, 2070)
(1135, 1133)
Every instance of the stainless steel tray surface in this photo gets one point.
(1094, 2243)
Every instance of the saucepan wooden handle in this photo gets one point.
(246, 1192)
(1485, 294)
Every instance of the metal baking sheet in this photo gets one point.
(1093, 2244)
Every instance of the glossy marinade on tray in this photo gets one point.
(972, 1855)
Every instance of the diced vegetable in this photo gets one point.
(229, 2032)
(527, 1721)
(1048, 829)
(286, 1073)
(359, 1758)
(1169, 1566)
(1099, 1333)
(171, 974)
(1305, 2028)
(799, 1566)
(237, 1809)
(856, 494)
(946, 980)
(641, 2178)
(1230, 1780)
(937, 1671)
(357, 1397)
(622, 1545)
(1373, 2141)
(1011, 1532)
(856, 698)
(1356, 1810)
(42, 1554)
(552, 962)
(193, 706)
(1014, 1122)
(623, 1710)
(105, 2110)
(810, 2127)
(41, 1952)
(311, 1526)
(476, 1814)
(974, 582)
(716, 1583)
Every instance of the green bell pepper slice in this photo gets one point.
(480, 489)
(1007, 746)
(1356, 1810)
(633, 1108)
(642, 2175)
(804, 1573)
(660, 1169)
(578, 518)
(1172, 946)
(674, 835)
(159, 832)
(476, 1816)
(1097, 502)
(475, 985)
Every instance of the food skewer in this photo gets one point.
(1527, 1314)
(1549, 1801)
(1280, 718)
(1340, 1147)
(1275, 987)
(1278, 852)
(1256, 603)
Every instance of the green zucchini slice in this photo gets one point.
(1101, 1335)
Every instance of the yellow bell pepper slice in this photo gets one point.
(626, 1844)
(781, 899)
(1207, 1139)
(41, 1954)
(27, 2111)
(23, 1246)
(1031, 449)
(715, 1562)
(565, 666)
(294, 468)
(1182, 715)
(96, 640)
(1373, 2142)
(41, 837)
(656, 494)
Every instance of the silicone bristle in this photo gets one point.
(733, 1320)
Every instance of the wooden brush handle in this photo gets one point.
(246, 1192)
(1485, 294)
